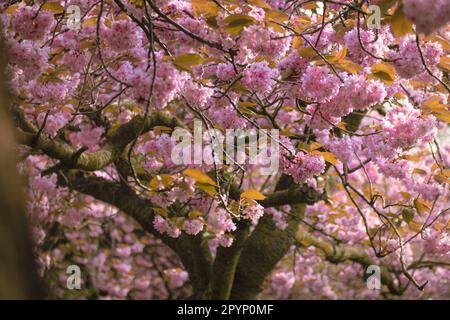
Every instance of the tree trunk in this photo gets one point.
(18, 273)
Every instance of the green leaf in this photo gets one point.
(442, 115)
(348, 66)
(327, 156)
(276, 15)
(55, 8)
(401, 25)
(204, 7)
(186, 61)
(199, 176)
(260, 3)
(235, 23)
(383, 71)
(207, 188)
(408, 215)
(195, 214)
(420, 206)
(252, 194)
(246, 104)
(161, 211)
(12, 9)
(441, 179)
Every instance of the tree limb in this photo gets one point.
(190, 250)
(91, 161)
(343, 253)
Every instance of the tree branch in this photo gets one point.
(91, 161)
(342, 253)
(190, 250)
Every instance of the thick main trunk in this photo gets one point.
(225, 265)
(266, 246)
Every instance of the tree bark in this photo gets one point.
(18, 272)
(342, 253)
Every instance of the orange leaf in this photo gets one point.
(252, 194)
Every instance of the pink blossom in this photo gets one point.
(31, 24)
(302, 166)
(282, 283)
(259, 77)
(427, 15)
(253, 212)
(408, 62)
(122, 35)
(163, 226)
(87, 136)
(176, 277)
(319, 84)
(193, 226)
(375, 44)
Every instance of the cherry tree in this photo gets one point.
(357, 109)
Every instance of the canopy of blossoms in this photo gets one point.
(98, 87)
